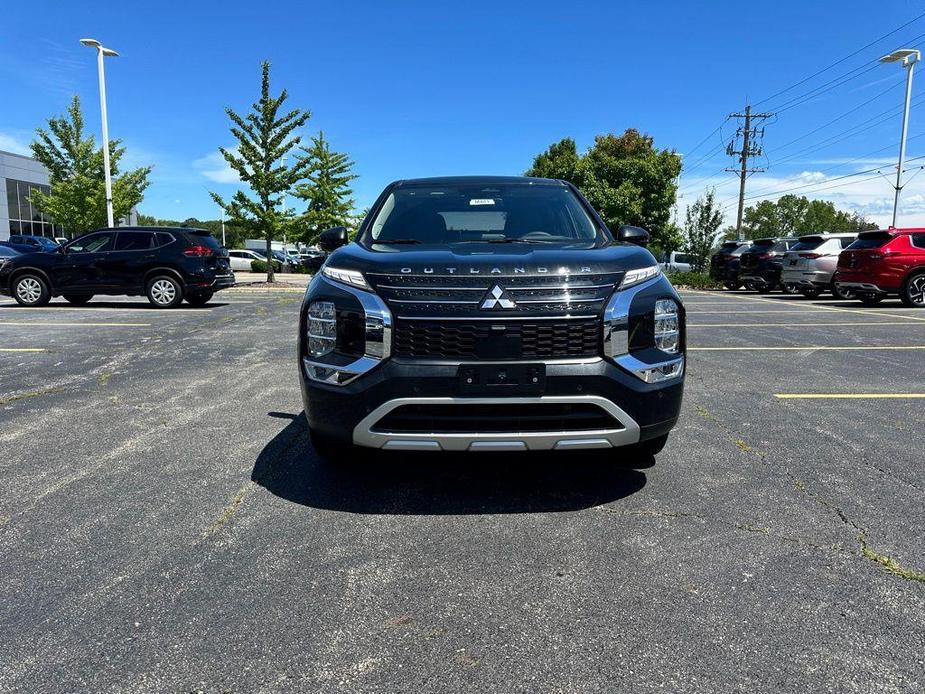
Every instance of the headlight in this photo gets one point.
(641, 275)
(667, 333)
(322, 328)
(351, 277)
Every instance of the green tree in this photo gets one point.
(701, 229)
(327, 190)
(793, 215)
(264, 138)
(625, 178)
(77, 199)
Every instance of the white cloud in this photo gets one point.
(10, 143)
(214, 167)
(869, 194)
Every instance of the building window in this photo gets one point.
(24, 218)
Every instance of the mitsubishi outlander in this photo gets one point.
(489, 314)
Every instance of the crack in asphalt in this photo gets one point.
(887, 562)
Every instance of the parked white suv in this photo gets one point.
(676, 262)
(810, 265)
(241, 259)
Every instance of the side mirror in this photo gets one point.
(333, 238)
(631, 234)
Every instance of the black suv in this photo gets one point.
(724, 264)
(760, 266)
(489, 314)
(165, 263)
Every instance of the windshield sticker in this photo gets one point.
(481, 201)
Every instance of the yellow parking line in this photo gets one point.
(805, 348)
(858, 324)
(23, 349)
(849, 396)
(77, 325)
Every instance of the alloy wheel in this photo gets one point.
(163, 292)
(917, 290)
(29, 290)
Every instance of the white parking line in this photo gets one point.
(23, 349)
(809, 348)
(855, 324)
(56, 324)
(817, 307)
(849, 396)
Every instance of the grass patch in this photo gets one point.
(891, 565)
(693, 280)
(6, 400)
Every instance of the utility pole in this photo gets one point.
(751, 147)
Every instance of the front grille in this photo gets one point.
(461, 294)
(462, 418)
(541, 339)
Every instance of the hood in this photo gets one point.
(492, 259)
(491, 279)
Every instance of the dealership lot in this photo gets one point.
(166, 527)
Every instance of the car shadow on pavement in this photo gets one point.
(121, 305)
(403, 483)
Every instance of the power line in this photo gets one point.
(701, 143)
(844, 115)
(841, 60)
(824, 185)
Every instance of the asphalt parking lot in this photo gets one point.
(166, 527)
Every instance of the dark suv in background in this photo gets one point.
(166, 264)
(25, 243)
(762, 263)
(724, 264)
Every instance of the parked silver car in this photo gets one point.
(810, 265)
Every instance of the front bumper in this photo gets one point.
(370, 388)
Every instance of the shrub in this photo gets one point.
(694, 280)
(258, 266)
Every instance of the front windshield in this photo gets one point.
(496, 213)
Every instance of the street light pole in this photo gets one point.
(909, 57)
(102, 52)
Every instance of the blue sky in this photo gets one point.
(417, 89)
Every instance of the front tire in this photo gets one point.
(812, 293)
(732, 286)
(164, 291)
(31, 290)
(913, 291)
(77, 299)
(789, 288)
(199, 298)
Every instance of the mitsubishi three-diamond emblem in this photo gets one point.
(497, 298)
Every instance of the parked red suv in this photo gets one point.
(885, 263)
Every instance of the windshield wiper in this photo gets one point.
(399, 241)
(514, 240)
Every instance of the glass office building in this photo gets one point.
(19, 177)
(23, 218)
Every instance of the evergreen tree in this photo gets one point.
(264, 138)
(327, 189)
(77, 199)
(701, 228)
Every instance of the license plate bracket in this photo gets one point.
(502, 379)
